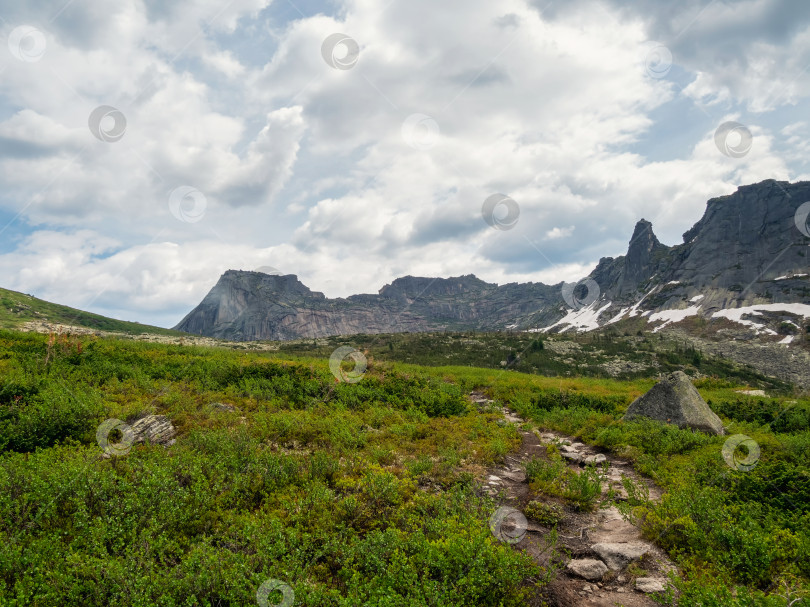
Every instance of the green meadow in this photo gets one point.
(364, 493)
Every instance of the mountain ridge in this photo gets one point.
(745, 251)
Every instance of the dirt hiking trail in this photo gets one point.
(605, 560)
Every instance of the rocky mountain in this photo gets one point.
(745, 262)
(252, 305)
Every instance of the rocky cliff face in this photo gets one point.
(251, 305)
(745, 259)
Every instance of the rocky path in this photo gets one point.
(605, 561)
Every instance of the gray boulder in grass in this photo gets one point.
(674, 400)
(155, 429)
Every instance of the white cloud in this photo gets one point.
(304, 167)
(556, 232)
(155, 280)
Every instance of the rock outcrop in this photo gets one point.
(674, 400)
(155, 429)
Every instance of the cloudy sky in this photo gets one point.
(148, 146)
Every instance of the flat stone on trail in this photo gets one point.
(573, 457)
(568, 449)
(589, 569)
(518, 476)
(595, 459)
(478, 397)
(619, 555)
(650, 584)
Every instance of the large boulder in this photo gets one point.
(674, 400)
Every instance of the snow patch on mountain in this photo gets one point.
(671, 316)
(736, 314)
(584, 319)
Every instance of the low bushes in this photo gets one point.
(553, 477)
(299, 478)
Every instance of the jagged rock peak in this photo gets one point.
(640, 251)
(742, 215)
(643, 237)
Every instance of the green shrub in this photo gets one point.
(549, 475)
(544, 513)
(421, 466)
(53, 414)
(553, 477)
(584, 488)
(771, 412)
(547, 400)
(652, 437)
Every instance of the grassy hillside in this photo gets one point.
(364, 493)
(19, 308)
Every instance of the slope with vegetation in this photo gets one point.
(279, 472)
(358, 493)
(607, 354)
(17, 309)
